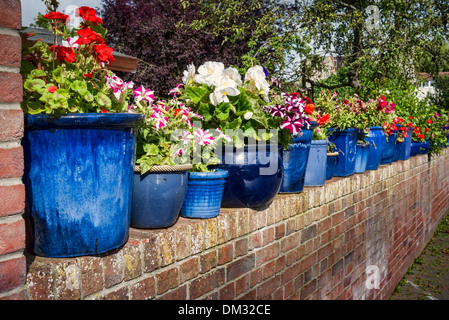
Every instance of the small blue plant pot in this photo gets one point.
(414, 148)
(157, 199)
(346, 143)
(402, 149)
(204, 194)
(295, 161)
(376, 139)
(388, 150)
(316, 164)
(361, 158)
(331, 163)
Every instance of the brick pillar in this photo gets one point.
(12, 191)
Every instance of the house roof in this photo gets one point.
(123, 62)
(428, 76)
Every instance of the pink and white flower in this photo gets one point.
(70, 43)
(159, 119)
(144, 94)
(203, 137)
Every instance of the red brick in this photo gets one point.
(241, 247)
(12, 124)
(242, 284)
(179, 293)
(67, 280)
(268, 287)
(10, 89)
(267, 254)
(91, 275)
(40, 282)
(119, 294)
(12, 199)
(208, 261)
(10, 50)
(11, 14)
(206, 283)
(228, 292)
(290, 242)
(11, 165)
(12, 236)
(150, 253)
(113, 270)
(240, 266)
(144, 289)
(225, 254)
(189, 269)
(132, 261)
(166, 280)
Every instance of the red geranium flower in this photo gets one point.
(88, 75)
(56, 16)
(52, 89)
(63, 53)
(309, 108)
(421, 136)
(87, 36)
(88, 14)
(104, 52)
(323, 120)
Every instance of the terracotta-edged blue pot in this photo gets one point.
(295, 161)
(78, 178)
(346, 144)
(331, 163)
(255, 175)
(316, 164)
(388, 150)
(204, 194)
(158, 196)
(376, 138)
(361, 157)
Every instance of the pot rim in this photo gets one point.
(217, 174)
(165, 168)
(46, 121)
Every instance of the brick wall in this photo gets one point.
(317, 244)
(12, 192)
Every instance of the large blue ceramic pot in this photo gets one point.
(331, 163)
(295, 161)
(361, 157)
(204, 194)
(158, 197)
(402, 149)
(377, 140)
(78, 179)
(346, 144)
(255, 175)
(388, 150)
(316, 164)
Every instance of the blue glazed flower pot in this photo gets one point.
(295, 161)
(388, 150)
(331, 163)
(377, 140)
(346, 143)
(204, 194)
(255, 175)
(361, 157)
(78, 179)
(316, 164)
(157, 198)
(414, 148)
(424, 147)
(402, 149)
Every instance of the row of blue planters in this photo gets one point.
(83, 195)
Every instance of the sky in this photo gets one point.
(30, 8)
